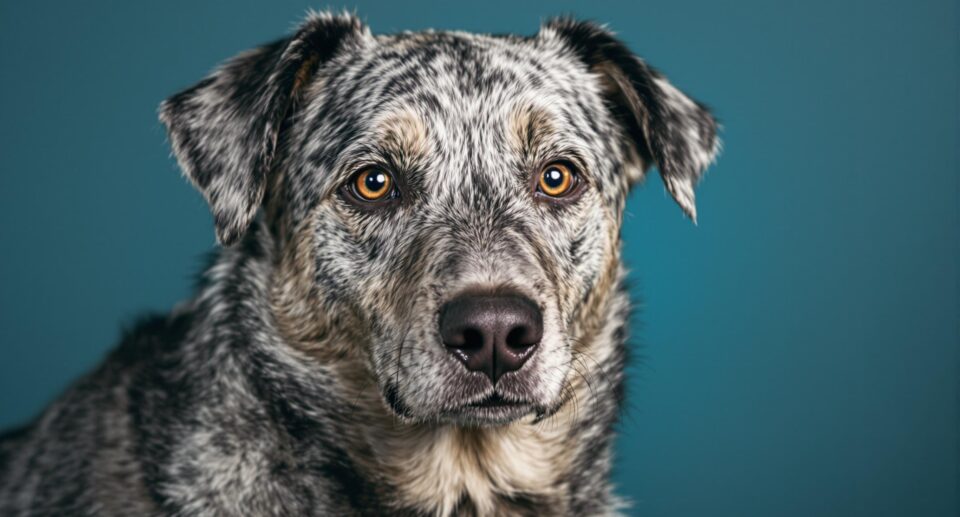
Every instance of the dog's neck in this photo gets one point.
(330, 411)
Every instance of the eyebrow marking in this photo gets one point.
(404, 136)
(529, 127)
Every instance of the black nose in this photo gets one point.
(493, 334)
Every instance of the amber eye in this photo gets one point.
(372, 184)
(556, 180)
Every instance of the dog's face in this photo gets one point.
(450, 203)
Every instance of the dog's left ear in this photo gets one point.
(666, 128)
(224, 130)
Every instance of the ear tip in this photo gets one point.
(227, 235)
(229, 228)
(681, 189)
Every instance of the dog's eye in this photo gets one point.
(372, 184)
(557, 180)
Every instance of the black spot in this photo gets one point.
(575, 247)
(392, 396)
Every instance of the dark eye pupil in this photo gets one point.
(375, 181)
(553, 178)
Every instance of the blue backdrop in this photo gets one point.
(798, 349)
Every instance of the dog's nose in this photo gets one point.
(493, 334)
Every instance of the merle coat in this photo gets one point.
(307, 376)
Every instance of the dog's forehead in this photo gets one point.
(455, 94)
(456, 76)
(466, 65)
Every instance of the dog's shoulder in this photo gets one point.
(81, 452)
(9, 442)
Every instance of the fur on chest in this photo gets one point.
(520, 469)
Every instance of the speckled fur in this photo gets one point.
(307, 376)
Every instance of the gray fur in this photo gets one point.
(306, 377)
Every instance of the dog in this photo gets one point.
(418, 305)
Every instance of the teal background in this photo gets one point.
(798, 352)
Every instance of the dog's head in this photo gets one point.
(447, 205)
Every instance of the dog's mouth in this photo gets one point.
(492, 410)
(496, 401)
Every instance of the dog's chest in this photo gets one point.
(495, 471)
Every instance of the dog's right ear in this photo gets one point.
(224, 130)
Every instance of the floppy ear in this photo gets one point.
(224, 130)
(666, 128)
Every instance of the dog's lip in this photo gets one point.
(495, 400)
(492, 410)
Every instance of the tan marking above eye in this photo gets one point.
(556, 180)
(373, 184)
